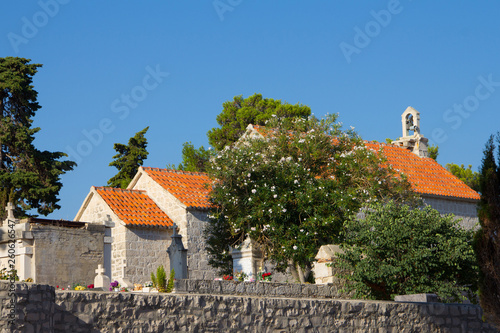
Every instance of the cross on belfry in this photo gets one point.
(10, 211)
(100, 270)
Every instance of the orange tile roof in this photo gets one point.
(134, 207)
(189, 187)
(425, 175)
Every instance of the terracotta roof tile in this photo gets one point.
(134, 207)
(424, 174)
(189, 187)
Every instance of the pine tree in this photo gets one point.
(487, 241)
(129, 158)
(29, 178)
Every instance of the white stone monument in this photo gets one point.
(323, 273)
(123, 281)
(101, 280)
(247, 258)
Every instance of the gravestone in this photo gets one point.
(123, 281)
(247, 258)
(177, 255)
(323, 273)
(101, 280)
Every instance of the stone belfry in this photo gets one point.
(412, 139)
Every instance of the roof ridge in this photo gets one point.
(195, 173)
(109, 188)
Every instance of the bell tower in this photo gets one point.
(412, 139)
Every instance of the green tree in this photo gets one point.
(396, 250)
(291, 192)
(433, 152)
(469, 177)
(129, 158)
(236, 115)
(487, 242)
(194, 160)
(29, 178)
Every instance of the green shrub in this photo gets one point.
(160, 280)
(170, 284)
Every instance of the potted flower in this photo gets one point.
(114, 286)
(147, 287)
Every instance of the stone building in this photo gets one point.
(141, 219)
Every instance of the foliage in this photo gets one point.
(194, 160)
(129, 158)
(8, 274)
(29, 178)
(291, 192)
(236, 115)
(170, 284)
(433, 152)
(396, 250)
(240, 276)
(160, 280)
(264, 276)
(469, 177)
(487, 241)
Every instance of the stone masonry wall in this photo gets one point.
(71, 311)
(465, 210)
(63, 256)
(146, 251)
(198, 267)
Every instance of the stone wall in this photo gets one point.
(146, 251)
(198, 267)
(466, 210)
(63, 255)
(73, 311)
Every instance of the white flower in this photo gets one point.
(284, 210)
(249, 175)
(301, 230)
(270, 211)
(254, 191)
(302, 141)
(295, 247)
(275, 196)
(252, 228)
(295, 181)
(249, 199)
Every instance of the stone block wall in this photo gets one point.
(462, 209)
(198, 267)
(63, 256)
(146, 251)
(34, 307)
(72, 311)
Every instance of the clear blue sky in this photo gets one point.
(367, 61)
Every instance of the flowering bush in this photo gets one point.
(292, 191)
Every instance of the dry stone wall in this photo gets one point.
(40, 309)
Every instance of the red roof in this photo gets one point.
(134, 207)
(425, 175)
(191, 188)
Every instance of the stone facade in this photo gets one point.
(56, 252)
(465, 210)
(38, 309)
(191, 223)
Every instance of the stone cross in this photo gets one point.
(175, 230)
(100, 270)
(10, 211)
(101, 280)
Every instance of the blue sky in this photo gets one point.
(112, 68)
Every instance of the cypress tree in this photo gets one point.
(129, 158)
(29, 178)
